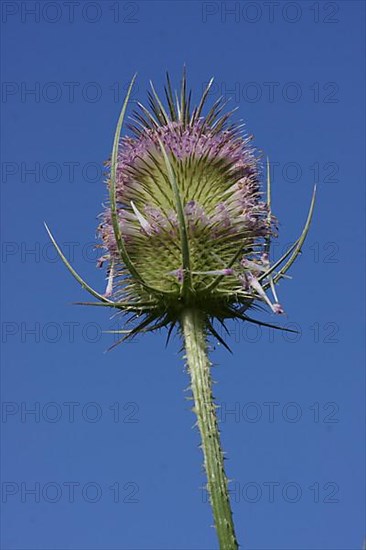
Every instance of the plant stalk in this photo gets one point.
(194, 332)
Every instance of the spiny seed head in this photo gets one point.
(217, 177)
(186, 224)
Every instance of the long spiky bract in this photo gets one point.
(187, 243)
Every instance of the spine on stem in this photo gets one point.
(194, 333)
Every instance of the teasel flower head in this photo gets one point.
(187, 223)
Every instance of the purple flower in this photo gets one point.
(187, 221)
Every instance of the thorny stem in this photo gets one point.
(194, 333)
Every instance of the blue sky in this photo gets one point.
(109, 451)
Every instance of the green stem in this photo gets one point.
(194, 332)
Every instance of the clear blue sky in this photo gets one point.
(119, 420)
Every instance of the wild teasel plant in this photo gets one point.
(186, 237)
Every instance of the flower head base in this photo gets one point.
(187, 224)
